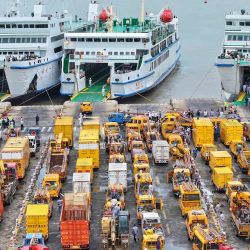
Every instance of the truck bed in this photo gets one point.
(242, 227)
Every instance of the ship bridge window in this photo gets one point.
(33, 40)
(110, 53)
(97, 40)
(7, 26)
(247, 23)
(121, 40)
(5, 53)
(132, 53)
(12, 40)
(246, 38)
(121, 53)
(44, 40)
(28, 40)
(18, 40)
(116, 53)
(13, 26)
(137, 40)
(112, 40)
(26, 26)
(129, 40)
(92, 53)
(229, 38)
(19, 26)
(73, 39)
(87, 53)
(41, 26)
(23, 40)
(5, 40)
(58, 49)
(57, 38)
(145, 40)
(240, 38)
(89, 39)
(242, 23)
(80, 39)
(234, 38)
(229, 23)
(2, 26)
(32, 26)
(104, 40)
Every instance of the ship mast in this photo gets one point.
(142, 11)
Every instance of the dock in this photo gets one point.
(174, 227)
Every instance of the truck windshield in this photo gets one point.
(212, 246)
(191, 197)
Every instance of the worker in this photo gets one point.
(90, 82)
(59, 203)
(21, 122)
(158, 244)
(103, 90)
(239, 148)
(217, 208)
(150, 190)
(196, 177)
(207, 155)
(135, 233)
(80, 119)
(116, 211)
(222, 217)
(37, 120)
(194, 152)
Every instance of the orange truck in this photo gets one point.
(74, 221)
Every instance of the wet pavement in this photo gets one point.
(172, 221)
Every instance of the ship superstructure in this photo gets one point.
(128, 56)
(234, 62)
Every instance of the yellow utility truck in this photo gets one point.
(65, 126)
(195, 218)
(53, 184)
(190, 198)
(240, 213)
(204, 238)
(203, 132)
(86, 107)
(236, 146)
(37, 219)
(89, 146)
(234, 187)
(141, 120)
(220, 159)
(230, 130)
(180, 175)
(142, 183)
(221, 176)
(16, 151)
(205, 151)
(85, 165)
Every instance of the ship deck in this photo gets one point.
(92, 93)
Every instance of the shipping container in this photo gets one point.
(231, 130)
(85, 165)
(220, 159)
(203, 132)
(16, 150)
(37, 219)
(221, 176)
(117, 174)
(81, 183)
(65, 125)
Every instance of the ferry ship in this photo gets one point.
(234, 62)
(31, 48)
(126, 57)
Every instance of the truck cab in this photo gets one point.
(12, 132)
(120, 118)
(116, 192)
(205, 151)
(190, 198)
(140, 158)
(140, 120)
(207, 239)
(168, 125)
(86, 107)
(33, 241)
(133, 137)
(195, 218)
(234, 187)
(53, 183)
(142, 182)
(132, 128)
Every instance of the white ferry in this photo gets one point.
(234, 62)
(31, 48)
(132, 56)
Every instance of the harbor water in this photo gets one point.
(201, 30)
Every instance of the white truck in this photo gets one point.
(160, 151)
(81, 183)
(32, 144)
(117, 174)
